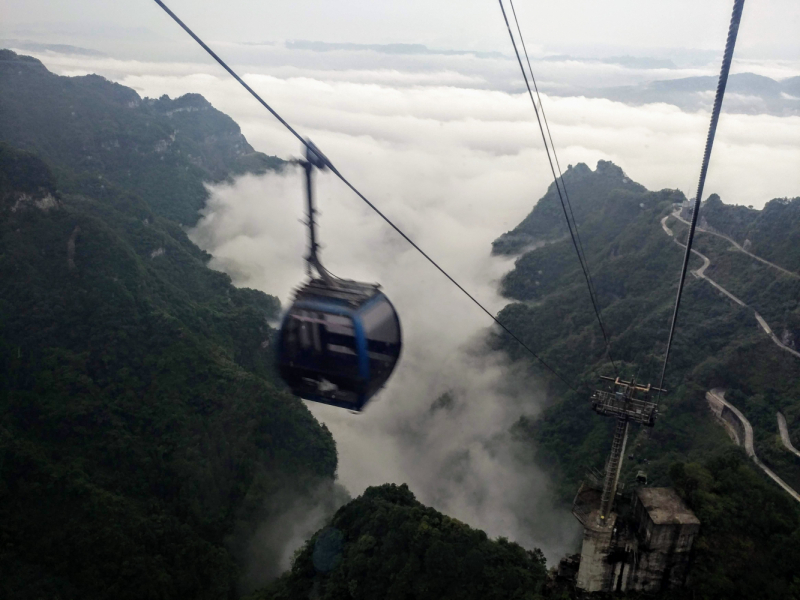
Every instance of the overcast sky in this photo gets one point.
(770, 27)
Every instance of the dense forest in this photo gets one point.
(772, 233)
(144, 434)
(141, 425)
(634, 266)
(163, 149)
(385, 544)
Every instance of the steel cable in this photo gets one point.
(584, 267)
(730, 44)
(558, 164)
(336, 172)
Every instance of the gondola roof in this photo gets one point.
(341, 291)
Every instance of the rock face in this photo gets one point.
(789, 338)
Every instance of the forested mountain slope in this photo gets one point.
(607, 187)
(140, 422)
(162, 149)
(141, 426)
(772, 233)
(385, 544)
(635, 267)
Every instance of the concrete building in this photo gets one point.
(665, 532)
(644, 544)
(640, 541)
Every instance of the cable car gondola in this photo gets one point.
(340, 340)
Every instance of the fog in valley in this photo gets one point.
(446, 145)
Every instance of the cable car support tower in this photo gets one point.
(628, 402)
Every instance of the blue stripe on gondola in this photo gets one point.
(361, 348)
(363, 351)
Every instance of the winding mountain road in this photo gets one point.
(677, 215)
(774, 337)
(785, 435)
(701, 273)
(718, 396)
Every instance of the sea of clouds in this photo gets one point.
(436, 104)
(452, 155)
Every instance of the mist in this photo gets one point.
(456, 456)
(454, 163)
(454, 168)
(448, 109)
(291, 516)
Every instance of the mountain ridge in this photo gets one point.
(718, 344)
(164, 150)
(143, 431)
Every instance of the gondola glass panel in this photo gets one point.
(339, 346)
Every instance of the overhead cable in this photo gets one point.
(582, 252)
(581, 258)
(336, 172)
(727, 57)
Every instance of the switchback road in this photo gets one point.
(717, 395)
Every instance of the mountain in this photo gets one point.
(385, 544)
(772, 233)
(791, 86)
(396, 49)
(145, 440)
(163, 150)
(143, 433)
(627, 61)
(608, 187)
(747, 93)
(59, 48)
(634, 266)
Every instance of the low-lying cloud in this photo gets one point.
(449, 112)
(454, 166)
(457, 457)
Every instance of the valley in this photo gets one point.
(145, 436)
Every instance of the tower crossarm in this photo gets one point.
(615, 404)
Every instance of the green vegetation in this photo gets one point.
(750, 542)
(141, 425)
(762, 379)
(634, 266)
(605, 188)
(163, 150)
(772, 233)
(385, 544)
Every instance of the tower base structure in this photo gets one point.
(644, 544)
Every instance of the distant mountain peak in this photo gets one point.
(91, 125)
(590, 192)
(608, 168)
(9, 56)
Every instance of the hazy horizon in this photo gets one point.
(447, 145)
